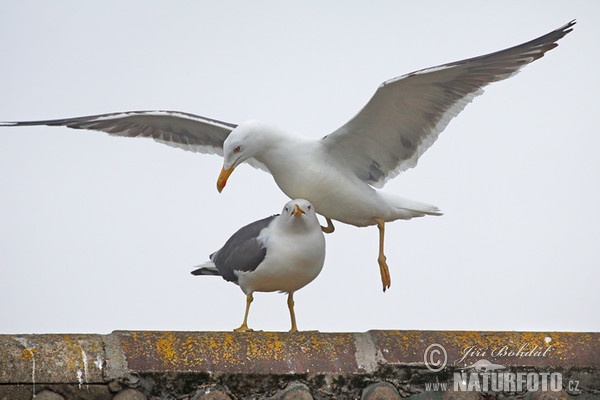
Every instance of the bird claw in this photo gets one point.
(243, 328)
(329, 228)
(386, 279)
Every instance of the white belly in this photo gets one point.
(334, 195)
(305, 172)
(286, 267)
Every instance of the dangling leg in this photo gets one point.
(383, 267)
(329, 228)
(290, 303)
(244, 326)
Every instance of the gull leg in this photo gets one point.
(244, 326)
(290, 303)
(386, 280)
(329, 228)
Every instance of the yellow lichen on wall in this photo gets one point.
(271, 348)
(28, 354)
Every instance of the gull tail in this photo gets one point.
(402, 208)
(208, 268)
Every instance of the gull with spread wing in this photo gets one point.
(339, 173)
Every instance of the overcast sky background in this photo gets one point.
(99, 233)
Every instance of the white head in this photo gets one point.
(244, 142)
(300, 213)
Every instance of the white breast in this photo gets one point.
(292, 261)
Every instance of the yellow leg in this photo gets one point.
(244, 326)
(386, 280)
(329, 228)
(290, 302)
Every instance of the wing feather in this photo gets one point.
(183, 130)
(173, 128)
(406, 114)
(243, 251)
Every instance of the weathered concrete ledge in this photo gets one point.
(370, 365)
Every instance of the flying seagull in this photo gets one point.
(279, 253)
(340, 172)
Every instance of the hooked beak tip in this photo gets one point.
(221, 184)
(223, 176)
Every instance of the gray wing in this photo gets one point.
(406, 114)
(207, 270)
(242, 251)
(183, 130)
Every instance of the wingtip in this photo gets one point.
(207, 268)
(568, 27)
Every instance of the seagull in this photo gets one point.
(340, 173)
(283, 253)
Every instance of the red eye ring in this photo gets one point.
(237, 149)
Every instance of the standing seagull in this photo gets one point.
(284, 252)
(338, 173)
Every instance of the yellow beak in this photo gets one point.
(223, 176)
(297, 211)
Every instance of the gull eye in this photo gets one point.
(309, 207)
(237, 149)
(287, 209)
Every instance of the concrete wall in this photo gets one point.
(304, 365)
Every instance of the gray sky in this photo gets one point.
(99, 233)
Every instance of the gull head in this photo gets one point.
(300, 211)
(244, 142)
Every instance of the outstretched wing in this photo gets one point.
(406, 114)
(183, 130)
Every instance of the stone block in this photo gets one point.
(380, 391)
(48, 395)
(294, 391)
(130, 394)
(211, 393)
